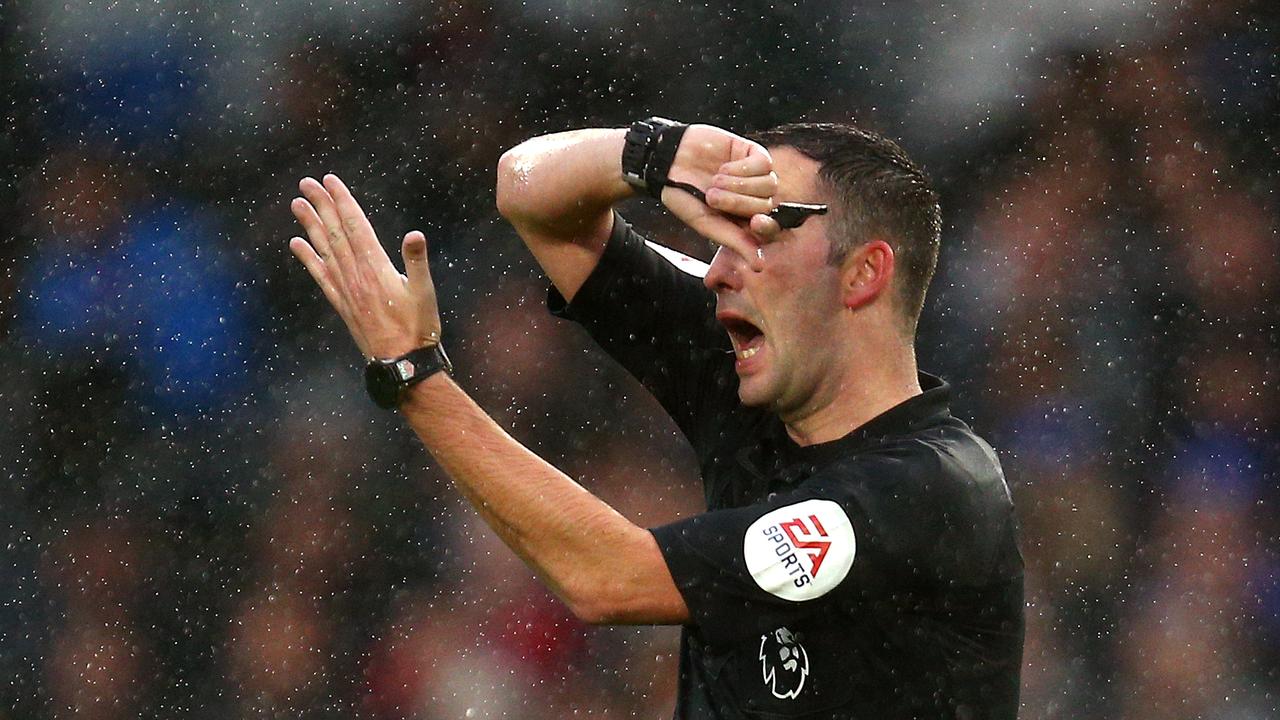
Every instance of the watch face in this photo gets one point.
(383, 386)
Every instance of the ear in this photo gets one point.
(867, 273)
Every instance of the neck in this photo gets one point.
(873, 381)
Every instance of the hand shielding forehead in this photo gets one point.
(788, 215)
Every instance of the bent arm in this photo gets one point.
(558, 192)
(606, 569)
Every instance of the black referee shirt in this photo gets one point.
(874, 576)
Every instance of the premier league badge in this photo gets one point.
(783, 663)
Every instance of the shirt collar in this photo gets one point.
(930, 405)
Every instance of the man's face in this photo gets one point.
(783, 319)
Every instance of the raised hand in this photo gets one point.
(387, 313)
(737, 178)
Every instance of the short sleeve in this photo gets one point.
(746, 570)
(860, 532)
(658, 321)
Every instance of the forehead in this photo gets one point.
(797, 175)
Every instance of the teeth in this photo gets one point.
(745, 354)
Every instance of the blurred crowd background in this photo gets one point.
(203, 516)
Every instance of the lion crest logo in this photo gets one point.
(784, 663)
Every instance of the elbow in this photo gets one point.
(513, 183)
(638, 609)
(594, 606)
(607, 598)
(592, 615)
(641, 592)
(599, 612)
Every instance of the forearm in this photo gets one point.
(563, 185)
(596, 560)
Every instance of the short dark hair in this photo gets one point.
(880, 193)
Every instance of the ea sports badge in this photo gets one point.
(802, 551)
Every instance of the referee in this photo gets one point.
(858, 555)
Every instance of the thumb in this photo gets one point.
(414, 251)
(421, 290)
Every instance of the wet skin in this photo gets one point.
(783, 319)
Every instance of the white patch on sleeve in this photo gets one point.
(682, 262)
(801, 551)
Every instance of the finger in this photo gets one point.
(319, 272)
(318, 236)
(745, 245)
(741, 205)
(355, 223)
(731, 235)
(757, 162)
(310, 222)
(720, 229)
(765, 227)
(327, 211)
(418, 276)
(765, 186)
(315, 266)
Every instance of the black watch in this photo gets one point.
(648, 151)
(387, 380)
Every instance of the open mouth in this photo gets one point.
(747, 339)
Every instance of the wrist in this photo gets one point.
(390, 350)
(611, 149)
(425, 395)
(649, 149)
(388, 381)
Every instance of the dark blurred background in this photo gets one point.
(203, 516)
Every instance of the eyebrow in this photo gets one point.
(788, 215)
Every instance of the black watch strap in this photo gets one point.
(387, 380)
(648, 152)
(635, 151)
(664, 153)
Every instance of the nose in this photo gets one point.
(725, 272)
